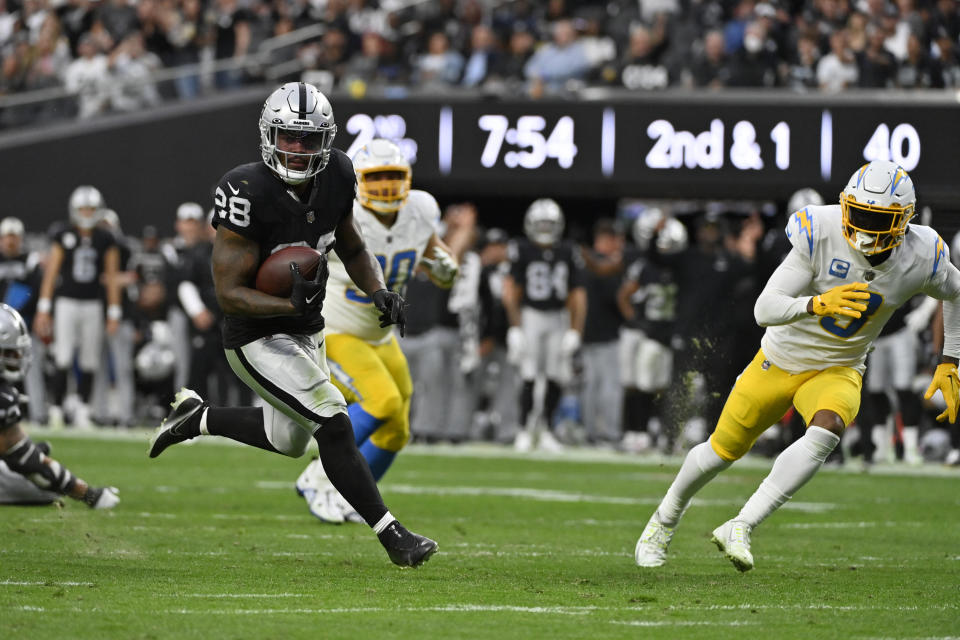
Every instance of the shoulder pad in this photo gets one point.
(424, 206)
(341, 163)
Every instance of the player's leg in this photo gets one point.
(760, 397)
(394, 432)
(828, 401)
(65, 340)
(530, 366)
(878, 425)
(634, 413)
(903, 346)
(654, 370)
(91, 332)
(28, 459)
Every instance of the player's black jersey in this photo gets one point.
(10, 412)
(655, 301)
(547, 274)
(195, 267)
(253, 202)
(20, 278)
(82, 266)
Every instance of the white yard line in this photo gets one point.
(42, 583)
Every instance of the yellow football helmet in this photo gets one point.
(877, 203)
(383, 176)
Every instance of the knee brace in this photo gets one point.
(26, 459)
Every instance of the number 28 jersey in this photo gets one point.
(547, 274)
(920, 264)
(399, 250)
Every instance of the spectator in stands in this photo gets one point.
(132, 88)
(554, 65)
(876, 66)
(231, 39)
(754, 64)
(640, 67)
(119, 18)
(838, 69)
(802, 73)
(441, 66)
(483, 56)
(183, 29)
(519, 50)
(89, 77)
(946, 51)
(918, 71)
(711, 70)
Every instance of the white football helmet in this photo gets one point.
(86, 207)
(543, 222)
(877, 203)
(15, 350)
(804, 198)
(383, 176)
(671, 234)
(303, 115)
(11, 226)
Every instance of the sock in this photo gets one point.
(383, 523)
(363, 423)
(551, 400)
(526, 401)
(791, 470)
(85, 385)
(58, 387)
(379, 460)
(347, 470)
(244, 424)
(700, 466)
(911, 444)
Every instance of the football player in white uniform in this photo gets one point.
(399, 225)
(851, 266)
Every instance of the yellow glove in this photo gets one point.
(945, 378)
(842, 300)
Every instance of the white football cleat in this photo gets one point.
(523, 441)
(733, 539)
(319, 493)
(651, 550)
(548, 442)
(102, 497)
(346, 509)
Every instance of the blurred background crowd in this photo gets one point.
(86, 57)
(682, 274)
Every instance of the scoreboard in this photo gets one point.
(750, 146)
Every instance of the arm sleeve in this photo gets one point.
(945, 285)
(778, 303)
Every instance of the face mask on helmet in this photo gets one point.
(15, 349)
(296, 132)
(86, 207)
(383, 176)
(877, 204)
(543, 222)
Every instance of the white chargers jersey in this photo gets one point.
(823, 259)
(399, 250)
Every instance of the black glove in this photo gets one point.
(392, 308)
(307, 295)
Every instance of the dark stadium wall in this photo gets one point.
(502, 154)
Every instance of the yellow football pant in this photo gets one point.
(764, 392)
(376, 377)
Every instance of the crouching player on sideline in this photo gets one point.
(851, 266)
(28, 475)
(366, 363)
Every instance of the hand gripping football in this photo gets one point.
(274, 277)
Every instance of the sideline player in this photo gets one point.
(546, 305)
(851, 266)
(300, 194)
(368, 367)
(83, 261)
(28, 475)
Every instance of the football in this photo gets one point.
(274, 276)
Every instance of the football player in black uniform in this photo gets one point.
(28, 475)
(546, 304)
(301, 194)
(20, 275)
(83, 260)
(648, 301)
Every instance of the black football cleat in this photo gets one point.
(405, 548)
(180, 424)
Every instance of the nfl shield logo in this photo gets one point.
(310, 217)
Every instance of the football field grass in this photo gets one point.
(211, 541)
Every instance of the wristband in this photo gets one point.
(114, 312)
(44, 305)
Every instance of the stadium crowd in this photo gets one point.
(648, 270)
(104, 52)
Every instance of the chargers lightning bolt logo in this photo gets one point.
(804, 227)
(941, 252)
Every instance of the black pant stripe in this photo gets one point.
(278, 393)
